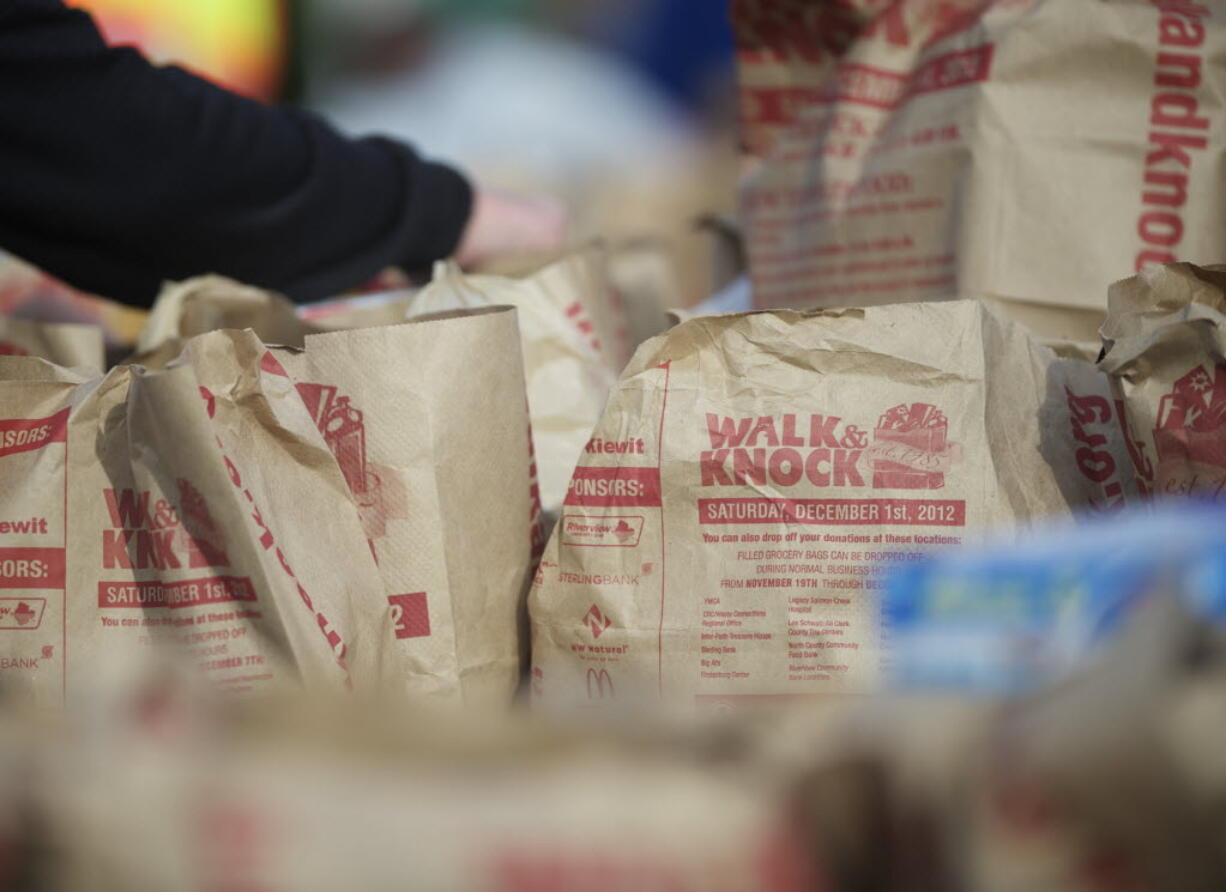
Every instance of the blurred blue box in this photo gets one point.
(1006, 618)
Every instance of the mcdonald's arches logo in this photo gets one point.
(599, 685)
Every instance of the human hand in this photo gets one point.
(504, 223)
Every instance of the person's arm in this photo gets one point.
(116, 175)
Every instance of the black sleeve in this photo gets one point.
(116, 175)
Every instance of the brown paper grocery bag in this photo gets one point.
(37, 400)
(373, 412)
(208, 303)
(428, 423)
(567, 366)
(645, 276)
(1166, 355)
(574, 327)
(170, 511)
(1024, 151)
(292, 480)
(586, 276)
(64, 343)
(751, 473)
(582, 281)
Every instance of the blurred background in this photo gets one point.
(625, 108)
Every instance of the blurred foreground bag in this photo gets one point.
(1166, 355)
(1110, 780)
(1077, 780)
(569, 364)
(718, 540)
(64, 343)
(172, 511)
(428, 424)
(474, 808)
(1025, 151)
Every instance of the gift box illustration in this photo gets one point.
(344, 430)
(1191, 422)
(910, 448)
